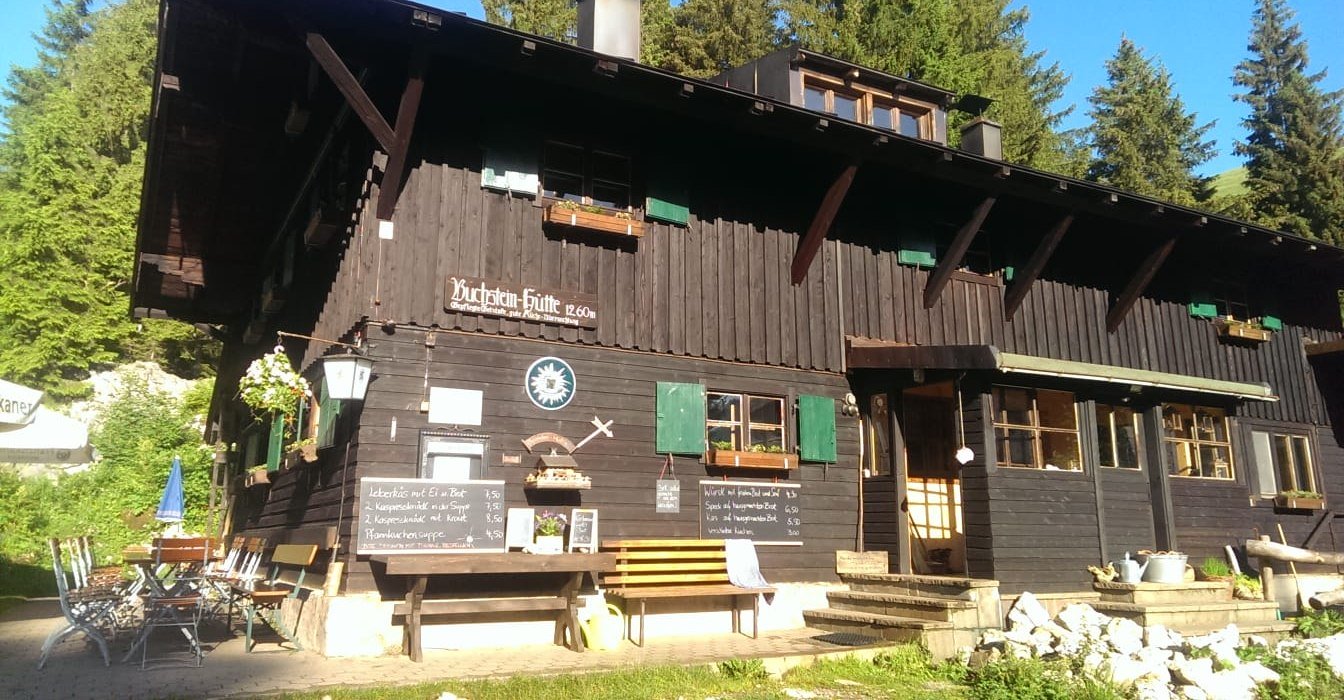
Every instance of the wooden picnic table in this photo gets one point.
(418, 568)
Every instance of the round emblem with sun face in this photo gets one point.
(550, 383)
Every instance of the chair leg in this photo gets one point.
(247, 640)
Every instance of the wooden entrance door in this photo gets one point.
(933, 479)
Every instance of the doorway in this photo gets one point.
(928, 423)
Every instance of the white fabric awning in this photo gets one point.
(49, 438)
(17, 403)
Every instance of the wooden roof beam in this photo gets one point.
(956, 252)
(1035, 265)
(821, 223)
(350, 88)
(390, 190)
(1137, 284)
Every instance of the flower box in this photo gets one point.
(256, 478)
(1242, 330)
(752, 460)
(593, 221)
(1299, 502)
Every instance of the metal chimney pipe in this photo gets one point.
(983, 138)
(610, 27)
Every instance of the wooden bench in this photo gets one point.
(647, 569)
(418, 568)
(287, 560)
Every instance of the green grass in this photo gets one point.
(1230, 183)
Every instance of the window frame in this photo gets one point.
(1286, 432)
(588, 178)
(870, 99)
(742, 426)
(1137, 417)
(1035, 428)
(1194, 444)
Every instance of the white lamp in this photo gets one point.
(347, 376)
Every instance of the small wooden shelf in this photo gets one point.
(593, 221)
(751, 460)
(1299, 503)
(256, 478)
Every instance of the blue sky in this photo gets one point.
(1199, 41)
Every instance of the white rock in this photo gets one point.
(1027, 612)
(1018, 636)
(1093, 661)
(1150, 688)
(1125, 636)
(445, 695)
(1193, 692)
(1154, 655)
(992, 638)
(1233, 684)
(1260, 673)
(1161, 637)
(799, 694)
(1256, 640)
(1124, 670)
(1082, 619)
(1193, 671)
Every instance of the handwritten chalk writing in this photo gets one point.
(764, 513)
(413, 515)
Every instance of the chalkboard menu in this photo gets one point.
(418, 516)
(763, 512)
(583, 530)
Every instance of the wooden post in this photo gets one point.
(1266, 576)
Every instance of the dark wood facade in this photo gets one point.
(712, 302)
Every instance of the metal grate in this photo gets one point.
(847, 639)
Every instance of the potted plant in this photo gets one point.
(758, 456)
(592, 217)
(1252, 330)
(271, 387)
(1247, 587)
(1299, 499)
(550, 533)
(257, 475)
(1215, 569)
(306, 449)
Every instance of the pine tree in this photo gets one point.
(1295, 150)
(711, 36)
(554, 19)
(1143, 139)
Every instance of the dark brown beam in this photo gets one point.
(1139, 283)
(821, 223)
(390, 189)
(892, 356)
(956, 252)
(1039, 257)
(349, 86)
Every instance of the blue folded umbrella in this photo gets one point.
(171, 505)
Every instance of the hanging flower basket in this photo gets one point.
(270, 385)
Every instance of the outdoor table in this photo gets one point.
(152, 575)
(417, 568)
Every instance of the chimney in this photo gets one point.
(610, 27)
(983, 138)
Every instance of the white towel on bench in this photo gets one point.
(744, 570)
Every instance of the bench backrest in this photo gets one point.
(665, 563)
(183, 549)
(297, 557)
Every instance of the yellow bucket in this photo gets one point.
(602, 631)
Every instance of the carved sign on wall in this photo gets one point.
(474, 295)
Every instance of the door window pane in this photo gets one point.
(877, 449)
(1117, 436)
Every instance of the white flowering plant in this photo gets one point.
(270, 385)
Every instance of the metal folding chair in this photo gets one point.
(82, 610)
(180, 603)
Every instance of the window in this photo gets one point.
(1118, 437)
(1196, 441)
(1230, 298)
(868, 106)
(1036, 429)
(744, 422)
(585, 175)
(877, 437)
(1282, 462)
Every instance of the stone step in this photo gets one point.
(1164, 593)
(954, 587)
(1199, 615)
(938, 636)
(961, 613)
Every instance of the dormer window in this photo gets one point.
(867, 105)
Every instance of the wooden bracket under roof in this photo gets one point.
(951, 260)
(1035, 265)
(1138, 283)
(821, 223)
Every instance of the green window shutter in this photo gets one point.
(922, 258)
(1203, 310)
(329, 410)
(511, 170)
(1271, 323)
(681, 418)
(816, 429)
(664, 210)
(275, 446)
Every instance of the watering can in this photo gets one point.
(603, 629)
(1129, 571)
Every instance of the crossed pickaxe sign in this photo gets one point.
(602, 429)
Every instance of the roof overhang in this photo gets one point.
(869, 355)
